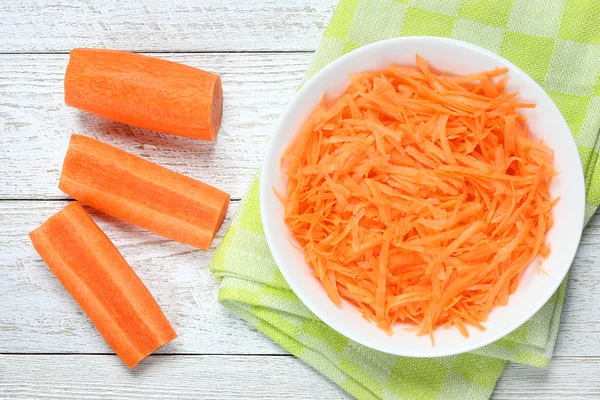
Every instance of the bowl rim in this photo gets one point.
(264, 190)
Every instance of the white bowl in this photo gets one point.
(544, 121)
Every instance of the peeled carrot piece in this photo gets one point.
(145, 91)
(91, 268)
(142, 193)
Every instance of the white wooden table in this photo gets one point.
(48, 348)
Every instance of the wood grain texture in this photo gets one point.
(173, 377)
(36, 124)
(250, 377)
(566, 378)
(42, 318)
(36, 313)
(147, 25)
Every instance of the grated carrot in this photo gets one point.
(420, 197)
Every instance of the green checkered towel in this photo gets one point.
(557, 42)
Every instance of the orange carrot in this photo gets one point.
(145, 194)
(145, 91)
(419, 197)
(91, 268)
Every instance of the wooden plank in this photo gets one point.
(42, 318)
(245, 377)
(566, 378)
(171, 377)
(36, 124)
(156, 25)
